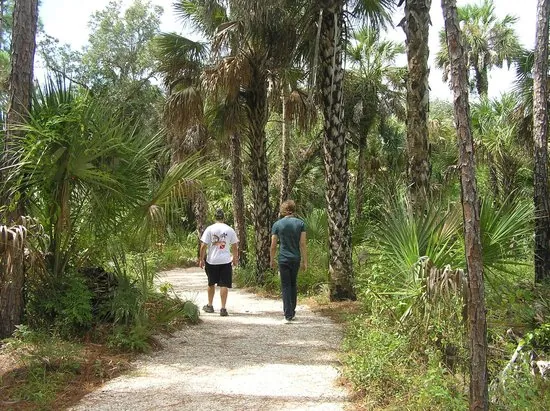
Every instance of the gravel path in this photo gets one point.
(249, 360)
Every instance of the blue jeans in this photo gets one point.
(289, 274)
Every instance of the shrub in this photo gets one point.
(63, 303)
(377, 360)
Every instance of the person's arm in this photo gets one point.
(202, 255)
(273, 250)
(303, 250)
(235, 253)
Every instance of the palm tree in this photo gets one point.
(181, 62)
(25, 20)
(298, 112)
(330, 23)
(374, 88)
(226, 118)
(249, 41)
(416, 26)
(540, 134)
(89, 172)
(470, 209)
(489, 42)
(496, 131)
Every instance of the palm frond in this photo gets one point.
(373, 13)
(204, 15)
(184, 108)
(503, 230)
(180, 60)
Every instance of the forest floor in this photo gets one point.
(249, 360)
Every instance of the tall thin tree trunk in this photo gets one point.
(361, 176)
(11, 281)
(417, 27)
(2, 23)
(256, 104)
(285, 151)
(482, 81)
(493, 176)
(336, 168)
(25, 19)
(470, 207)
(303, 161)
(200, 211)
(540, 134)
(238, 194)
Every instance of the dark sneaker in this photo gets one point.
(223, 312)
(208, 308)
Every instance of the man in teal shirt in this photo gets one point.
(290, 233)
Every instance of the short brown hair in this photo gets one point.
(287, 207)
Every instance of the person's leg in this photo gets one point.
(286, 289)
(209, 308)
(293, 287)
(211, 293)
(223, 296)
(225, 283)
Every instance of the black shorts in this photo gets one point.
(221, 274)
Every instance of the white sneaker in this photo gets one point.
(286, 321)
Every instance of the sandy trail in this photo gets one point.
(249, 360)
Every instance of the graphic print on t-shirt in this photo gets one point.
(219, 241)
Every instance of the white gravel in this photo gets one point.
(249, 360)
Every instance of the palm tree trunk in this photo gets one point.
(256, 103)
(238, 195)
(493, 176)
(25, 19)
(200, 211)
(336, 168)
(416, 27)
(2, 23)
(303, 161)
(361, 177)
(470, 207)
(482, 81)
(285, 153)
(540, 133)
(11, 283)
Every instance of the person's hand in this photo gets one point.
(303, 266)
(201, 263)
(272, 264)
(235, 262)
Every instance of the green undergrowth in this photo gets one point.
(118, 311)
(396, 363)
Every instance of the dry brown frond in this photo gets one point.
(300, 109)
(12, 238)
(227, 75)
(184, 108)
(444, 282)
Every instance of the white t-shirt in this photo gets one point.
(219, 237)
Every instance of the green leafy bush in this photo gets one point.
(63, 303)
(520, 390)
(130, 338)
(437, 389)
(377, 360)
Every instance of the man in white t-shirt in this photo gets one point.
(221, 242)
